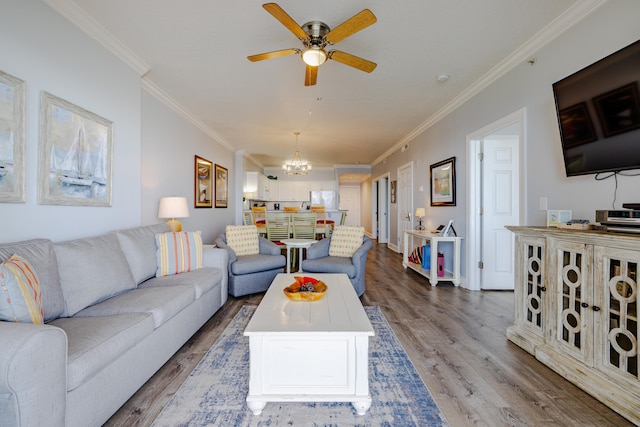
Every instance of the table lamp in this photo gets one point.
(173, 207)
(420, 213)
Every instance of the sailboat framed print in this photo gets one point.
(12, 108)
(203, 183)
(75, 155)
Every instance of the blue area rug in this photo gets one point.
(214, 394)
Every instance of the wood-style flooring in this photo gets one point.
(454, 337)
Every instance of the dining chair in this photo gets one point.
(343, 218)
(278, 227)
(247, 218)
(291, 209)
(259, 217)
(324, 226)
(304, 225)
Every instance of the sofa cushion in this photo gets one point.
(161, 302)
(39, 253)
(345, 241)
(139, 247)
(330, 264)
(243, 239)
(92, 270)
(202, 280)
(178, 252)
(20, 298)
(96, 341)
(255, 263)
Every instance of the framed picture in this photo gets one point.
(222, 189)
(75, 155)
(203, 187)
(443, 183)
(577, 126)
(394, 185)
(12, 108)
(619, 109)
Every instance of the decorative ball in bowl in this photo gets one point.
(305, 289)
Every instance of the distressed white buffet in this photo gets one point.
(577, 311)
(303, 351)
(435, 240)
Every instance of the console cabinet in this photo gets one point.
(577, 309)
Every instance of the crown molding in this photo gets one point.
(90, 26)
(163, 97)
(569, 18)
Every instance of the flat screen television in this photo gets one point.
(598, 111)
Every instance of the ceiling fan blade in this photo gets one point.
(274, 54)
(285, 20)
(351, 26)
(310, 75)
(352, 61)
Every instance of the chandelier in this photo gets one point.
(296, 166)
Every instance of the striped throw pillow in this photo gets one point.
(345, 241)
(21, 298)
(243, 239)
(178, 252)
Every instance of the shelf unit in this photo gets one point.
(435, 240)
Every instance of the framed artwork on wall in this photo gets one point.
(222, 187)
(203, 173)
(75, 155)
(443, 183)
(12, 108)
(394, 185)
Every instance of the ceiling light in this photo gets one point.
(296, 166)
(314, 56)
(442, 78)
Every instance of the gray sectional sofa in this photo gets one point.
(110, 324)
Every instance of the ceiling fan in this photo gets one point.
(315, 36)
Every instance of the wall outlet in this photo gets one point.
(543, 203)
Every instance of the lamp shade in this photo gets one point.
(173, 207)
(420, 213)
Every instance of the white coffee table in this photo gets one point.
(309, 351)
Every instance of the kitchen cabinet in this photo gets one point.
(291, 191)
(257, 186)
(322, 186)
(577, 309)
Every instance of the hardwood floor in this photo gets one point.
(454, 337)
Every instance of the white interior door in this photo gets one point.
(500, 207)
(350, 201)
(405, 201)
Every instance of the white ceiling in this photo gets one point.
(194, 54)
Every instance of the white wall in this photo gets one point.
(169, 147)
(42, 48)
(611, 27)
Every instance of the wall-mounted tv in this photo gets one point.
(598, 111)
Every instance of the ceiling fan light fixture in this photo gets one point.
(314, 56)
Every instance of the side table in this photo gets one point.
(297, 243)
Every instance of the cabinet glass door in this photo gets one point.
(574, 299)
(534, 315)
(617, 325)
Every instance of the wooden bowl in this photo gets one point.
(294, 294)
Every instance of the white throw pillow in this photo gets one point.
(243, 239)
(345, 241)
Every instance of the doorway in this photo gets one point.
(495, 200)
(380, 208)
(349, 197)
(405, 202)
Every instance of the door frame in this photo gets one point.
(474, 195)
(400, 230)
(380, 194)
